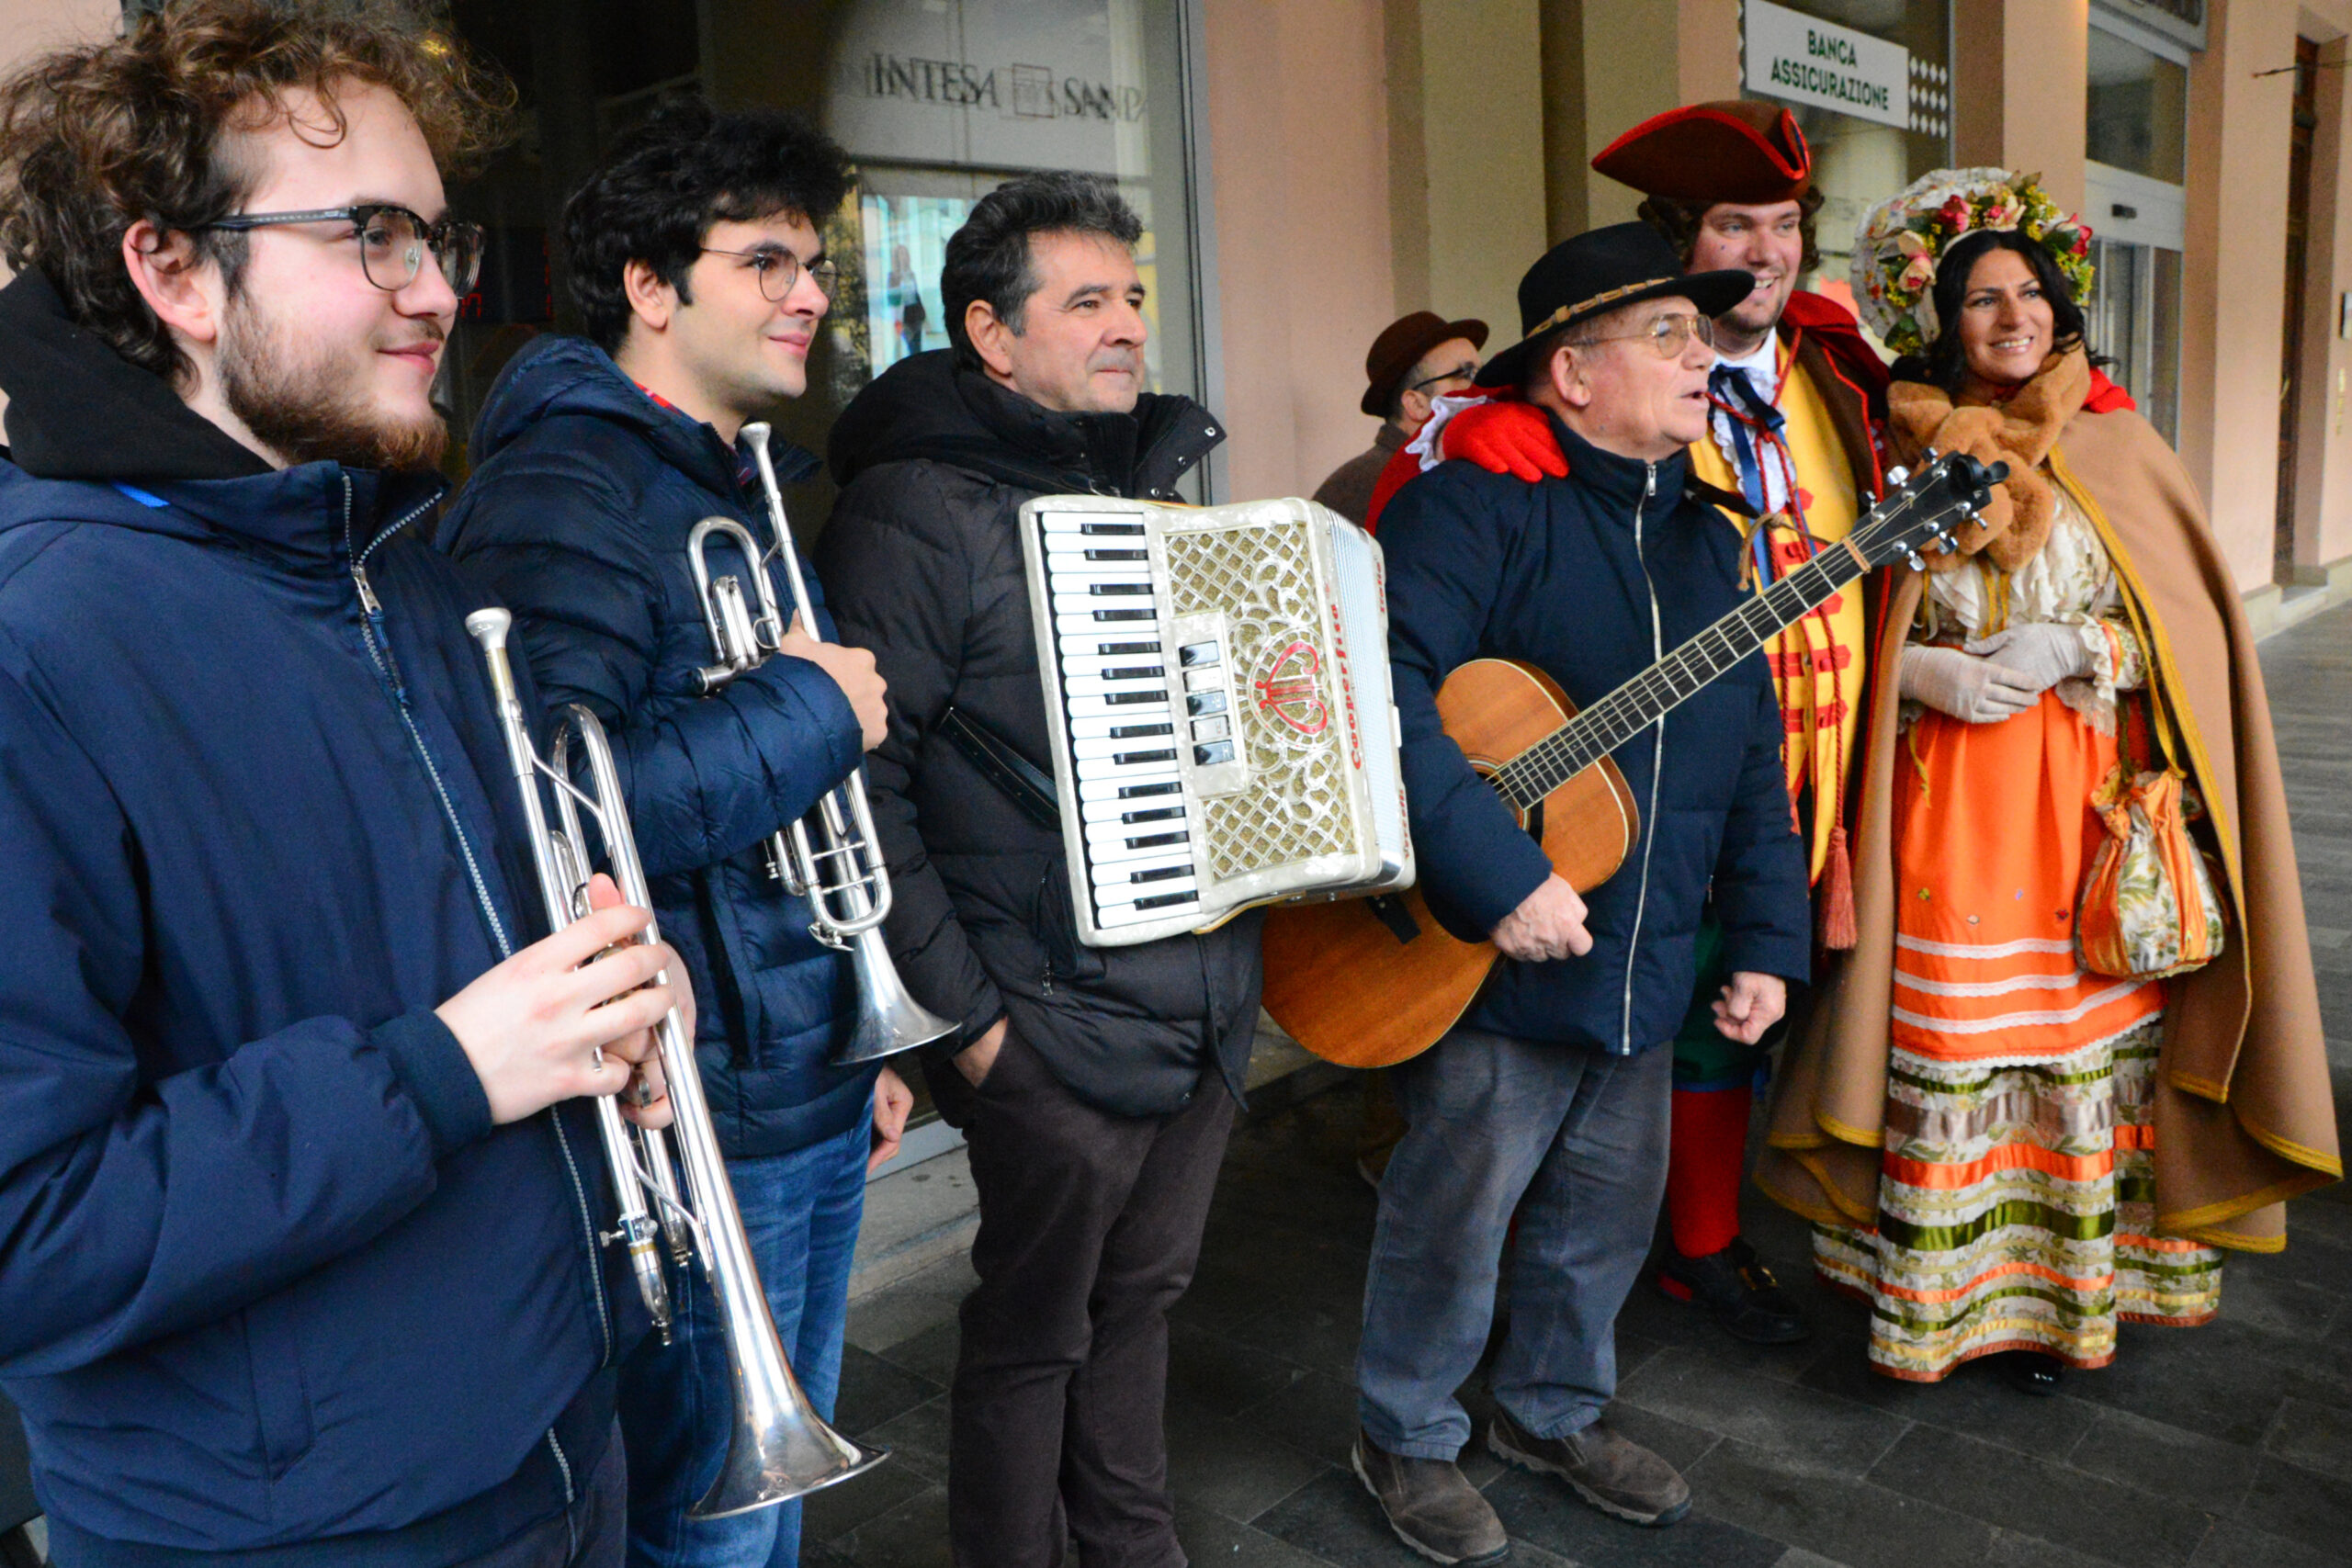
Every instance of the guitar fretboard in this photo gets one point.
(1649, 696)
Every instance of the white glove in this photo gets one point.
(1974, 690)
(2040, 655)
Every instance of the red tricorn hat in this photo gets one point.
(1731, 150)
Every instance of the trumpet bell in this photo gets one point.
(888, 1020)
(780, 1449)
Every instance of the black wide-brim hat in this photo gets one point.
(1603, 270)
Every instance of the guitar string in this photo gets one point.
(1642, 701)
(1639, 701)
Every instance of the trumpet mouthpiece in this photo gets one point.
(488, 626)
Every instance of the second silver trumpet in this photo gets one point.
(778, 1447)
(831, 857)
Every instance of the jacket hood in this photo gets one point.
(93, 438)
(924, 407)
(79, 411)
(556, 376)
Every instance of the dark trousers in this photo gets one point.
(1090, 1228)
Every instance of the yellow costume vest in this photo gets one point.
(1816, 663)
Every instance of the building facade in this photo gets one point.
(1310, 169)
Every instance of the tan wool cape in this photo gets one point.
(2243, 1114)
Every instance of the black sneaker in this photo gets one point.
(1741, 1293)
(2029, 1371)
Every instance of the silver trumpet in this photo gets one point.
(831, 857)
(779, 1449)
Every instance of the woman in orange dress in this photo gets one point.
(2017, 1204)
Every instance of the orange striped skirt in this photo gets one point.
(2015, 1200)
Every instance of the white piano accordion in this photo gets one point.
(1216, 686)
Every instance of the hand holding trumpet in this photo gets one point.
(852, 670)
(573, 1014)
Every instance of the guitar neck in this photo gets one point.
(1689, 669)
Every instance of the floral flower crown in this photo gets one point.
(1904, 238)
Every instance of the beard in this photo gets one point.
(308, 406)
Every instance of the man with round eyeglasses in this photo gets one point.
(298, 1209)
(1548, 1099)
(699, 266)
(1796, 397)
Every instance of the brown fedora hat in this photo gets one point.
(1730, 150)
(1401, 345)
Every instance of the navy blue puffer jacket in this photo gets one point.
(268, 1273)
(1591, 579)
(583, 491)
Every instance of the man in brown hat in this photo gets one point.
(1414, 361)
(1796, 396)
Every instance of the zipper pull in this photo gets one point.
(1649, 480)
(367, 600)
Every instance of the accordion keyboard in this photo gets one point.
(1124, 729)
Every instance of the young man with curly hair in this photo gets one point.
(298, 1212)
(698, 263)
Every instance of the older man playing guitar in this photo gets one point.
(1549, 1096)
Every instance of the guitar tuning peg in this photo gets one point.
(1917, 564)
(1898, 476)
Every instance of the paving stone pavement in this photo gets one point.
(2226, 1446)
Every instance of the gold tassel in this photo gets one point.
(1838, 929)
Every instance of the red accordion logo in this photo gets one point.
(1288, 690)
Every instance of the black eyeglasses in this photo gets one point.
(1459, 373)
(392, 241)
(779, 269)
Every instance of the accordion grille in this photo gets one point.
(1290, 715)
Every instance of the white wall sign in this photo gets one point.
(1808, 61)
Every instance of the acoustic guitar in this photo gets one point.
(1367, 982)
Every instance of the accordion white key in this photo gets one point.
(1217, 687)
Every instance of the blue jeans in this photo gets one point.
(1574, 1141)
(677, 1403)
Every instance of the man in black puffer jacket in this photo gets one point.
(699, 273)
(1095, 1085)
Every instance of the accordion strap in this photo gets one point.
(1030, 789)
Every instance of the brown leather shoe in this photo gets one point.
(1430, 1507)
(1614, 1474)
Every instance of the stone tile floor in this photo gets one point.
(2230, 1444)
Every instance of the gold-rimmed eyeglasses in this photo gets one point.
(1668, 335)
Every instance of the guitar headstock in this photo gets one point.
(1927, 507)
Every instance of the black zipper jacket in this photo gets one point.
(923, 566)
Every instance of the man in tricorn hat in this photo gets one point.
(1549, 1098)
(1414, 361)
(1795, 397)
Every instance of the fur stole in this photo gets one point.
(2020, 432)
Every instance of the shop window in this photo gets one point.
(2136, 203)
(2138, 116)
(938, 102)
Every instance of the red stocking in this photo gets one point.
(1706, 1155)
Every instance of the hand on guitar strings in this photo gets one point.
(1752, 1004)
(1548, 924)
